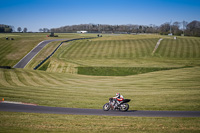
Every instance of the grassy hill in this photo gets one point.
(127, 55)
(156, 83)
(167, 80)
(13, 50)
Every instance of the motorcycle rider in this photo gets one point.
(118, 99)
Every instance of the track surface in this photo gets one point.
(24, 61)
(76, 111)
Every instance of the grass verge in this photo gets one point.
(31, 122)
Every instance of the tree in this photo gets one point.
(176, 28)
(193, 28)
(19, 29)
(25, 30)
(184, 24)
(164, 29)
(40, 30)
(6, 28)
(45, 30)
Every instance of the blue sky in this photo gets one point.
(35, 14)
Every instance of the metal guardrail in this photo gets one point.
(35, 68)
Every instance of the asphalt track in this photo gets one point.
(24, 61)
(10, 107)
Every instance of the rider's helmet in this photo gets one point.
(118, 95)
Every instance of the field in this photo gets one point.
(85, 73)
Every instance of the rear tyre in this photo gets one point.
(124, 107)
(106, 107)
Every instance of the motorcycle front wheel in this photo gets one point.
(124, 107)
(106, 107)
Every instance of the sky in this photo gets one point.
(36, 14)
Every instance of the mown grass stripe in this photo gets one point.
(99, 53)
(91, 48)
(136, 50)
(106, 49)
(83, 48)
(4, 49)
(34, 79)
(163, 52)
(3, 81)
(96, 49)
(173, 49)
(194, 49)
(91, 51)
(15, 78)
(187, 49)
(110, 49)
(41, 81)
(182, 49)
(71, 52)
(8, 78)
(147, 47)
(126, 49)
(130, 47)
(141, 47)
(121, 49)
(177, 49)
(25, 78)
(48, 81)
(197, 49)
(169, 48)
(83, 52)
(115, 50)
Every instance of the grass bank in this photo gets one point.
(176, 89)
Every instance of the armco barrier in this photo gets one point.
(57, 49)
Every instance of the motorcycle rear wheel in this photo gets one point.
(124, 107)
(106, 107)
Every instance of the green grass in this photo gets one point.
(13, 50)
(119, 71)
(45, 66)
(176, 89)
(159, 90)
(61, 86)
(126, 51)
(185, 48)
(108, 49)
(30, 122)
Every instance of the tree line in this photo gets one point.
(176, 28)
(6, 28)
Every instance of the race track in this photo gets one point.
(24, 61)
(77, 111)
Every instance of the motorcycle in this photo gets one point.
(123, 106)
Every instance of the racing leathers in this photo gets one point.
(118, 100)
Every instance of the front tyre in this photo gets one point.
(106, 107)
(124, 107)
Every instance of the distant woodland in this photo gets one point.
(5, 28)
(176, 28)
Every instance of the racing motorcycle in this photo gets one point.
(123, 106)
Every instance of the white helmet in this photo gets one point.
(118, 95)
